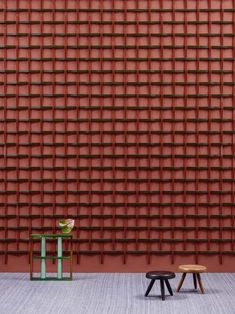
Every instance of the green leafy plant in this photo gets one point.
(66, 225)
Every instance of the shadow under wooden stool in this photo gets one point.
(195, 270)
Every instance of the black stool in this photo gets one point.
(163, 276)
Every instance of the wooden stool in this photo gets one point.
(195, 270)
(163, 276)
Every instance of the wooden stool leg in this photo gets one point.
(181, 282)
(200, 283)
(168, 286)
(195, 281)
(149, 287)
(162, 289)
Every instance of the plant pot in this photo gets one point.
(66, 225)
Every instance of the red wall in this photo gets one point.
(119, 114)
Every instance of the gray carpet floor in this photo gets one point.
(113, 293)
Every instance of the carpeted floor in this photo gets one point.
(113, 293)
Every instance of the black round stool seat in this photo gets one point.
(163, 276)
(160, 275)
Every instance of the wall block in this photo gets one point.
(119, 114)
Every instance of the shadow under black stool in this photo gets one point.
(163, 276)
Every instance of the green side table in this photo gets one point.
(43, 257)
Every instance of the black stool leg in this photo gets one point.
(162, 289)
(168, 286)
(195, 281)
(149, 287)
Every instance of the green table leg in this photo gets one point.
(43, 260)
(59, 252)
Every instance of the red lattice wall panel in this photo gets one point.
(120, 115)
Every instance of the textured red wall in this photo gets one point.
(119, 114)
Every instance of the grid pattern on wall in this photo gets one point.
(120, 115)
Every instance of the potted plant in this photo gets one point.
(66, 225)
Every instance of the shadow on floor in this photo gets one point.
(156, 297)
(192, 291)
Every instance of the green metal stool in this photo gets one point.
(43, 257)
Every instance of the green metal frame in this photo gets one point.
(43, 257)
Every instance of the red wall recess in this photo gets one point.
(119, 114)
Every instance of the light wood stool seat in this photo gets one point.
(195, 270)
